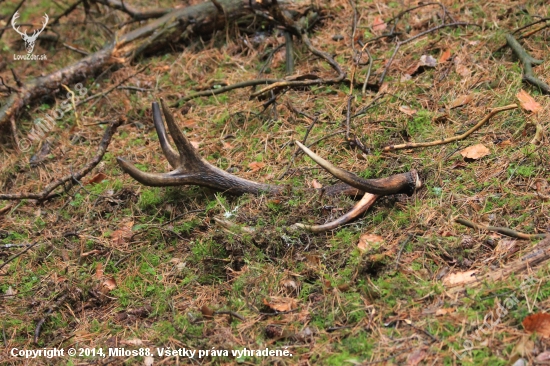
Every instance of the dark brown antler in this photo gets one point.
(191, 169)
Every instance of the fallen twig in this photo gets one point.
(528, 63)
(501, 230)
(414, 145)
(15, 256)
(45, 193)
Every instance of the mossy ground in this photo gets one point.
(168, 263)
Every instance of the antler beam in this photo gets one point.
(191, 169)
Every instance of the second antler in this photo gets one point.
(191, 169)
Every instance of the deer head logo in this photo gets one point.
(29, 40)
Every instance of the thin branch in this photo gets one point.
(447, 140)
(501, 230)
(15, 256)
(45, 193)
(528, 63)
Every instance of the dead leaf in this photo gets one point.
(539, 323)
(195, 144)
(446, 55)
(444, 311)
(475, 152)
(316, 184)
(98, 178)
(460, 101)
(459, 278)
(124, 234)
(415, 357)
(255, 166)
(344, 287)
(463, 70)
(278, 303)
(459, 165)
(428, 61)
(206, 311)
(10, 292)
(110, 283)
(407, 110)
(524, 347)
(425, 61)
(378, 25)
(368, 240)
(527, 102)
(189, 123)
(543, 357)
(148, 361)
(99, 271)
(313, 259)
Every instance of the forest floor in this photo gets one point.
(114, 263)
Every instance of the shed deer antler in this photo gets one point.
(191, 169)
(29, 40)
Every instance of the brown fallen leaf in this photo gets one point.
(428, 61)
(195, 144)
(378, 25)
(99, 271)
(543, 357)
(407, 110)
(206, 311)
(459, 278)
(463, 70)
(424, 62)
(98, 178)
(316, 184)
(278, 303)
(255, 166)
(110, 283)
(539, 323)
(416, 356)
(446, 55)
(368, 240)
(460, 101)
(475, 152)
(124, 234)
(527, 102)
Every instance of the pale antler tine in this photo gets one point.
(151, 179)
(399, 183)
(186, 150)
(359, 208)
(171, 155)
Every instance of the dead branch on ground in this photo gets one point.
(71, 178)
(528, 63)
(414, 145)
(501, 230)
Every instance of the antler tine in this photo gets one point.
(171, 155)
(173, 178)
(188, 155)
(399, 183)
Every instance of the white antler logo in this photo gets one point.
(29, 40)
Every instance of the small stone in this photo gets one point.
(337, 37)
